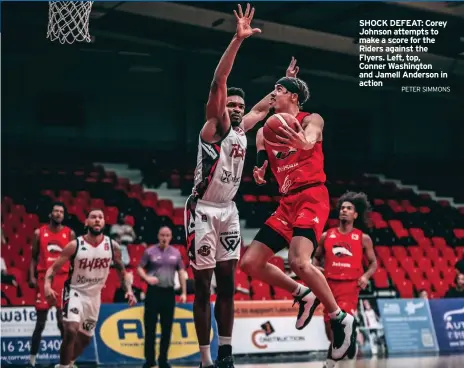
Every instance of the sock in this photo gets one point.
(225, 347)
(337, 314)
(300, 290)
(225, 340)
(205, 354)
(329, 363)
(32, 360)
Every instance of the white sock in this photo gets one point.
(205, 353)
(225, 340)
(329, 363)
(300, 290)
(335, 314)
(32, 360)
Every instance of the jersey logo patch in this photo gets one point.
(355, 236)
(230, 242)
(284, 155)
(204, 250)
(342, 250)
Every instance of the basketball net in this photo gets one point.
(68, 21)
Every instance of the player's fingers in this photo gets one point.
(240, 12)
(256, 30)
(252, 14)
(296, 70)
(247, 10)
(264, 165)
(236, 15)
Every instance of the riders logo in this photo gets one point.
(88, 325)
(342, 249)
(204, 250)
(230, 242)
(283, 155)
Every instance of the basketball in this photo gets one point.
(271, 131)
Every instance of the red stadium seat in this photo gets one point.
(281, 294)
(260, 290)
(381, 278)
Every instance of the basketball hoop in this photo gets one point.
(68, 21)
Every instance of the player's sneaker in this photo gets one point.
(344, 336)
(307, 305)
(227, 362)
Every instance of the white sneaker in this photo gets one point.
(307, 305)
(344, 337)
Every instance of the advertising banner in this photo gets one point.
(121, 335)
(269, 327)
(448, 319)
(408, 325)
(18, 323)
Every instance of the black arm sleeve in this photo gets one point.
(261, 157)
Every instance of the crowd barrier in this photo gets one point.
(410, 325)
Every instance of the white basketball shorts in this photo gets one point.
(212, 231)
(80, 308)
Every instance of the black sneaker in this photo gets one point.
(163, 364)
(307, 305)
(227, 362)
(344, 337)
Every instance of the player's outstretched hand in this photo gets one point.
(293, 69)
(244, 29)
(131, 299)
(259, 172)
(51, 296)
(293, 138)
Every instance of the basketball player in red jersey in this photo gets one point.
(341, 250)
(47, 244)
(300, 218)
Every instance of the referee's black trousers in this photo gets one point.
(158, 302)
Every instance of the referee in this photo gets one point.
(157, 267)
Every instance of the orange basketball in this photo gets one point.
(271, 131)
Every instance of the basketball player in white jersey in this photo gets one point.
(90, 258)
(211, 217)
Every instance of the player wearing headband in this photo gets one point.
(299, 220)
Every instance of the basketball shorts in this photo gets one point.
(346, 294)
(81, 308)
(212, 231)
(57, 285)
(308, 209)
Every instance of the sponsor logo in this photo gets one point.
(74, 310)
(107, 246)
(204, 218)
(54, 248)
(230, 240)
(286, 167)
(227, 177)
(286, 185)
(94, 264)
(237, 151)
(267, 335)
(412, 307)
(204, 250)
(88, 325)
(284, 155)
(341, 264)
(342, 249)
(80, 279)
(123, 332)
(354, 236)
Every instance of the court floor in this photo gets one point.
(453, 361)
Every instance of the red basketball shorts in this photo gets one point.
(57, 285)
(346, 294)
(308, 209)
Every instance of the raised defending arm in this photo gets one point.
(217, 119)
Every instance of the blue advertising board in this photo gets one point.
(120, 335)
(18, 323)
(448, 318)
(408, 325)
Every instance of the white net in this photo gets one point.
(68, 21)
